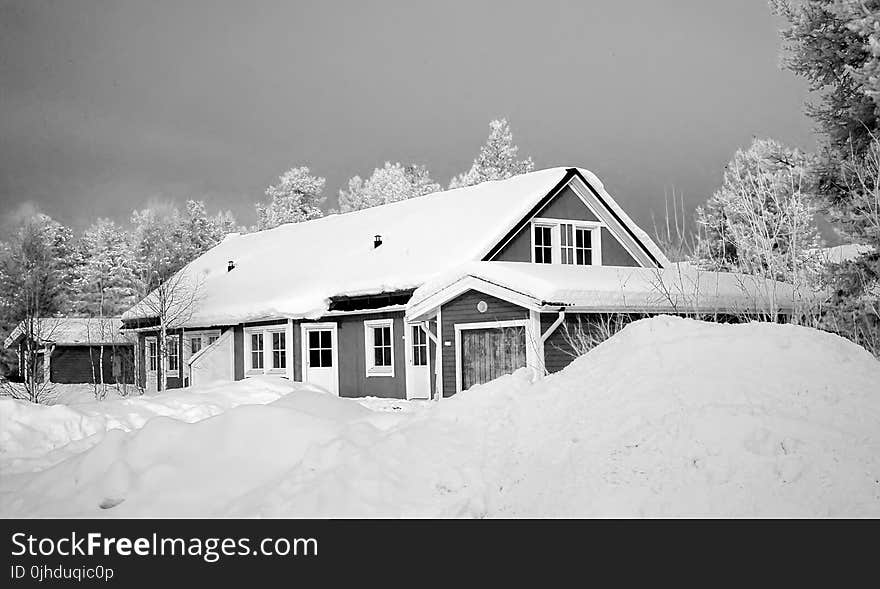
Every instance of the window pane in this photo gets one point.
(195, 344)
(580, 257)
(314, 339)
(539, 255)
(377, 356)
(587, 235)
(212, 339)
(386, 361)
(279, 359)
(548, 256)
(315, 358)
(588, 257)
(325, 339)
(256, 360)
(377, 336)
(326, 358)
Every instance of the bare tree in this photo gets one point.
(172, 303)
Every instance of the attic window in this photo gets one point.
(570, 242)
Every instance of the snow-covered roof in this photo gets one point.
(842, 253)
(293, 270)
(678, 287)
(73, 331)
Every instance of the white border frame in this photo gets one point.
(408, 356)
(304, 349)
(168, 372)
(370, 370)
(267, 331)
(532, 360)
(595, 228)
(147, 341)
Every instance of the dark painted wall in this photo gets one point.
(614, 254)
(566, 205)
(174, 382)
(238, 351)
(82, 364)
(463, 309)
(353, 381)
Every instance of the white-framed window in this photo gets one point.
(543, 243)
(212, 339)
(257, 350)
(562, 241)
(379, 347)
(266, 349)
(419, 346)
(152, 354)
(279, 349)
(172, 345)
(195, 344)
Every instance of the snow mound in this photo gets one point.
(29, 433)
(670, 417)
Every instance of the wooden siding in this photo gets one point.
(353, 379)
(613, 253)
(566, 205)
(463, 309)
(174, 382)
(82, 364)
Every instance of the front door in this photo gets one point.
(320, 357)
(418, 369)
(151, 359)
(489, 353)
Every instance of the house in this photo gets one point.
(68, 350)
(430, 295)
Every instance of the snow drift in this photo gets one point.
(670, 417)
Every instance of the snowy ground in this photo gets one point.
(670, 417)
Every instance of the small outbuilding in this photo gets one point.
(75, 350)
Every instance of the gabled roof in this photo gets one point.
(293, 270)
(72, 331)
(677, 288)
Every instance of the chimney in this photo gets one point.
(230, 265)
(377, 241)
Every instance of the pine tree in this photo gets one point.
(761, 220)
(37, 274)
(296, 198)
(391, 183)
(835, 45)
(106, 284)
(496, 160)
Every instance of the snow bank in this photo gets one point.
(30, 433)
(669, 417)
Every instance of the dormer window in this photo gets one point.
(560, 241)
(543, 244)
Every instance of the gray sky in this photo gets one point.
(108, 105)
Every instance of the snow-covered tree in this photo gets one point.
(37, 273)
(198, 232)
(295, 198)
(497, 159)
(105, 284)
(391, 183)
(835, 45)
(762, 219)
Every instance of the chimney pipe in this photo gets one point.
(377, 241)
(230, 265)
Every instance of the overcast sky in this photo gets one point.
(108, 105)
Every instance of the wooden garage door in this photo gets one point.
(489, 353)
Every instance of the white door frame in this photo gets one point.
(411, 368)
(147, 371)
(531, 350)
(304, 349)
